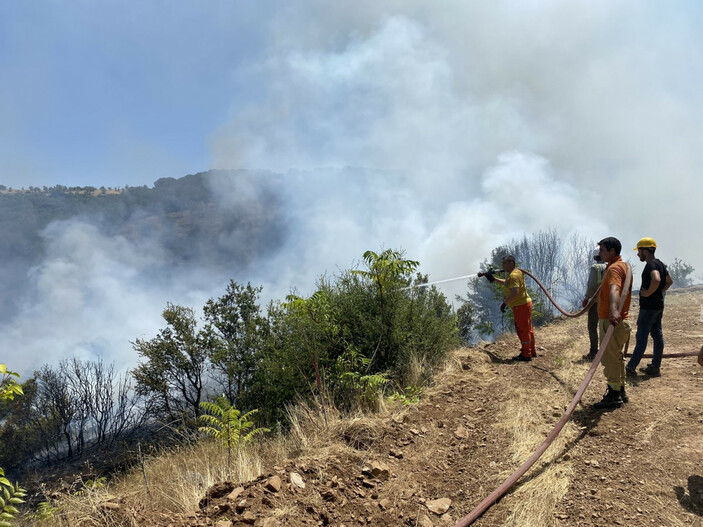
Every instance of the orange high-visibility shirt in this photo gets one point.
(615, 273)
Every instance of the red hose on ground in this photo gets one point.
(505, 486)
(668, 355)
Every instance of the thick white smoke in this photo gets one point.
(605, 92)
(91, 296)
(441, 129)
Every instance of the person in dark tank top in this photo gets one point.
(655, 281)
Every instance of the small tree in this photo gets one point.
(680, 273)
(241, 330)
(388, 271)
(466, 319)
(56, 402)
(175, 366)
(315, 320)
(227, 425)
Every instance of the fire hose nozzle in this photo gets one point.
(488, 274)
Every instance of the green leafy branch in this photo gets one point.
(8, 386)
(11, 495)
(386, 269)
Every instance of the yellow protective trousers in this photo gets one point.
(612, 360)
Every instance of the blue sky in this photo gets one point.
(115, 93)
(604, 94)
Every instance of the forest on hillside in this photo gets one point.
(184, 216)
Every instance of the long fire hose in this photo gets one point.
(505, 486)
(573, 314)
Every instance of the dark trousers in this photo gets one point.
(593, 328)
(649, 322)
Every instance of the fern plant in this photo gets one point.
(363, 389)
(45, 512)
(227, 425)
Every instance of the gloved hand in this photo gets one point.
(488, 275)
(585, 302)
(502, 307)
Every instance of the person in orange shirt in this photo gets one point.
(609, 313)
(516, 298)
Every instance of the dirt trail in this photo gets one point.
(431, 463)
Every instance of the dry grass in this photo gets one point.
(174, 481)
(313, 426)
(417, 372)
(527, 418)
(536, 500)
(171, 482)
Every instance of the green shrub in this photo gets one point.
(353, 387)
(410, 395)
(360, 331)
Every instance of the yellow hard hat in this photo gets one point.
(646, 243)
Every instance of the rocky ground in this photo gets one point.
(431, 463)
